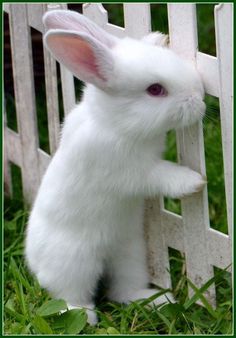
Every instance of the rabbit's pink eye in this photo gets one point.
(156, 90)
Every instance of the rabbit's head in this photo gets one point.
(141, 86)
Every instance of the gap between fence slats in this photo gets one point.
(6, 159)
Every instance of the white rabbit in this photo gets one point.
(87, 219)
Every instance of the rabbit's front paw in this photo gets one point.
(194, 183)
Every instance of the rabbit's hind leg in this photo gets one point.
(128, 273)
(75, 283)
(127, 268)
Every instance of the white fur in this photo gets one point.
(87, 219)
(156, 38)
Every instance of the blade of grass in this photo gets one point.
(144, 312)
(20, 318)
(18, 276)
(172, 329)
(153, 297)
(123, 323)
(12, 246)
(22, 300)
(199, 294)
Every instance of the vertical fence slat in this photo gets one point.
(25, 97)
(224, 24)
(183, 39)
(52, 100)
(183, 29)
(51, 95)
(35, 14)
(137, 19)
(158, 256)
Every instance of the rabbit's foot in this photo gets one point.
(91, 314)
(132, 296)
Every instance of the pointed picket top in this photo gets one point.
(97, 13)
(137, 17)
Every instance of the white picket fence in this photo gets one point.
(189, 233)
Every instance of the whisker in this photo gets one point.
(212, 119)
(184, 149)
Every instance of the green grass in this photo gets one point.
(28, 309)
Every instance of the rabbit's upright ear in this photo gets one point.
(73, 21)
(81, 45)
(84, 56)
